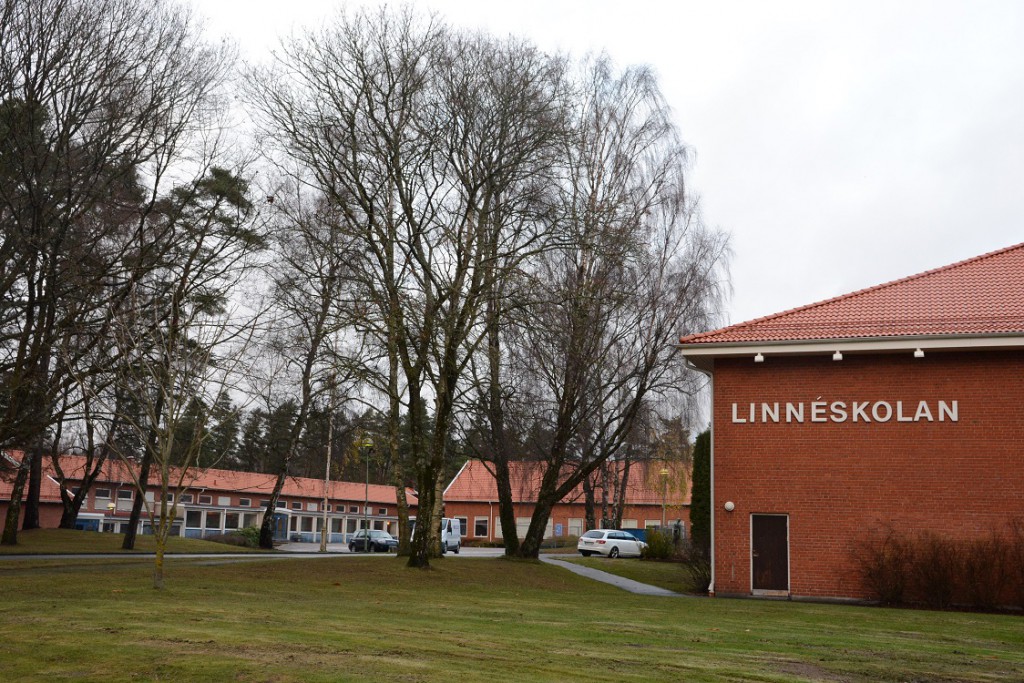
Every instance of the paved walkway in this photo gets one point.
(623, 583)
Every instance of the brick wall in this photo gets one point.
(839, 481)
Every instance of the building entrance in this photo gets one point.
(769, 554)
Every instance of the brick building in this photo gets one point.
(896, 407)
(472, 497)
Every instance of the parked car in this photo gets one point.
(610, 542)
(379, 541)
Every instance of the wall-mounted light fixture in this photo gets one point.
(729, 506)
(837, 356)
(918, 353)
(758, 357)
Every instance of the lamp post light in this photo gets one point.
(664, 494)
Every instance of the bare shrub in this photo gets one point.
(697, 564)
(1015, 563)
(984, 565)
(935, 569)
(885, 566)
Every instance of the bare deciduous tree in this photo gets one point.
(182, 338)
(426, 142)
(97, 100)
(313, 257)
(633, 269)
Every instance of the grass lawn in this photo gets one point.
(372, 619)
(68, 541)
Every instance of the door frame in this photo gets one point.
(789, 559)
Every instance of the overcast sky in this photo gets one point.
(840, 144)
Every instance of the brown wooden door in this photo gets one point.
(769, 550)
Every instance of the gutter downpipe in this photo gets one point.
(711, 502)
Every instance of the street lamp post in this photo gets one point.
(324, 529)
(664, 493)
(366, 445)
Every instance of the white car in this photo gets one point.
(610, 542)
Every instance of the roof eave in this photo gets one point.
(702, 355)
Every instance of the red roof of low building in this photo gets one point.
(476, 483)
(116, 471)
(980, 296)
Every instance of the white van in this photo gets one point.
(451, 534)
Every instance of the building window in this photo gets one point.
(224, 501)
(206, 500)
(463, 526)
(296, 505)
(185, 498)
(212, 519)
(231, 520)
(353, 509)
(329, 507)
(480, 527)
(383, 512)
(194, 519)
(307, 523)
(103, 493)
(169, 498)
(575, 526)
(244, 502)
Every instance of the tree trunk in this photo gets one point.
(73, 504)
(140, 494)
(10, 536)
(158, 564)
(589, 504)
(35, 481)
(267, 527)
(620, 494)
(605, 521)
(530, 547)
(506, 513)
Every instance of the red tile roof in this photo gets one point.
(214, 480)
(980, 296)
(475, 483)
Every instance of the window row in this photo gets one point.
(104, 494)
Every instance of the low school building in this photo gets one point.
(216, 501)
(651, 499)
(892, 410)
